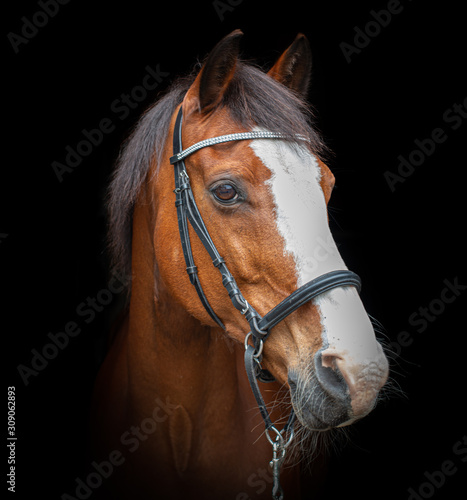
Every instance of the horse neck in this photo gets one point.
(171, 354)
(190, 380)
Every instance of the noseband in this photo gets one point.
(260, 327)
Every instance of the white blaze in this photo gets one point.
(301, 218)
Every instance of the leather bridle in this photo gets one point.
(260, 327)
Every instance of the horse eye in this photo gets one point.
(225, 193)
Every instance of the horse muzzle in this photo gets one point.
(335, 391)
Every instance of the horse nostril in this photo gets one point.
(330, 377)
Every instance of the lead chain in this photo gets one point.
(278, 456)
(279, 448)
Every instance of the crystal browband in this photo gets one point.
(241, 136)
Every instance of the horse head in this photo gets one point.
(264, 203)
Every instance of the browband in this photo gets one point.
(240, 136)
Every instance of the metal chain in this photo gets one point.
(279, 449)
(283, 438)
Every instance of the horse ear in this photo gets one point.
(293, 68)
(215, 75)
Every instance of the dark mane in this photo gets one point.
(253, 99)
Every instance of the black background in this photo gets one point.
(404, 244)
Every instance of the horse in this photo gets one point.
(174, 414)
